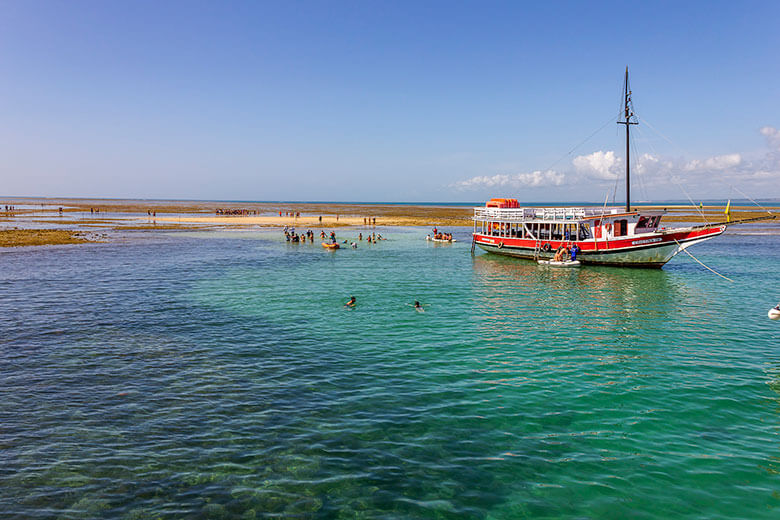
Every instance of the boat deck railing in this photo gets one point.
(524, 214)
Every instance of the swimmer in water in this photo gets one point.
(350, 303)
(418, 306)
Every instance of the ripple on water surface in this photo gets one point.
(218, 375)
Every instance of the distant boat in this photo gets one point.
(605, 236)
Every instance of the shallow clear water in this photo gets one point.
(218, 375)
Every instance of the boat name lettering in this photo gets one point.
(646, 241)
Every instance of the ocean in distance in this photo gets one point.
(669, 202)
(216, 374)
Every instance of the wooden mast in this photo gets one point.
(628, 114)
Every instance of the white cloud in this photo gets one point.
(599, 165)
(772, 135)
(534, 179)
(717, 163)
(647, 163)
(656, 176)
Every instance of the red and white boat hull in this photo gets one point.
(647, 250)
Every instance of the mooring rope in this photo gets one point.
(702, 263)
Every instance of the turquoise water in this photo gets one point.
(218, 375)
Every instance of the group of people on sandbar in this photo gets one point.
(241, 212)
(564, 252)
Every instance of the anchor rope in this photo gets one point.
(702, 263)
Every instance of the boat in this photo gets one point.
(560, 263)
(613, 236)
(331, 246)
(440, 240)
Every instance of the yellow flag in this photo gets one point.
(728, 211)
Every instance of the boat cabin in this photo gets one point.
(564, 224)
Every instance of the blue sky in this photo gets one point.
(387, 101)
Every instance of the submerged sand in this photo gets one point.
(165, 215)
(39, 237)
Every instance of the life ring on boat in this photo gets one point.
(547, 247)
(500, 245)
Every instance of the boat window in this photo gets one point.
(647, 223)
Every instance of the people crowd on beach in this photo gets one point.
(233, 212)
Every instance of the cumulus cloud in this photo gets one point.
(598, 165)
(648, 163)
(656, 175)
(717, 163)
(772, 135)
(607, 166)
(513, 180)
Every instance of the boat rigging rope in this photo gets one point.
(559, 159)
(751, 200)
(654, 129)
(702, 263)
(697, 208)
(638, 170)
